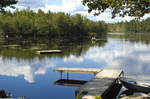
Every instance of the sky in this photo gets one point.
(70, 6)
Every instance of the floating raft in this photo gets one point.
(49, 51)
(100, 85)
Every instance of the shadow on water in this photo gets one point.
(70, 82)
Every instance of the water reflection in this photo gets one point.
(133, 58)
(116, 51)
(69, 82)
(130, 53)
(29, 70)
(16, 60)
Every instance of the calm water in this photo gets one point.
(32, 76)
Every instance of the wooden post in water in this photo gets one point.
(60, 75)
(67, 75)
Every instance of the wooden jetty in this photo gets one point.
(79, 70)
(100, 85)
(48, 51)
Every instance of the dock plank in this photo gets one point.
(100, 84)
(79, 70)
(109, 73)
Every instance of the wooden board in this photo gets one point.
(112, 94)
(79, 70)
(101, 83)
(109, 73)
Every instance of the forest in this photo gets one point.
(134, 26)
(30, 24)
(27, 23)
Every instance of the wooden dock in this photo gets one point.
(100, 85)
(48, 51)
(79, 70)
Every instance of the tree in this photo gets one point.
(6, 3)
(133, 8)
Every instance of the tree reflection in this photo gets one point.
(26, 49)
(133, 38)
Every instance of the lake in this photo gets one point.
(24, 73)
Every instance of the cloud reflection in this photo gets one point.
(29, 70)
(133, 58)
(73, 58)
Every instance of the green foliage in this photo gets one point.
(136, 8)
(6, 3)
(79, 95)
(98, 97)
(27, 23)
(134, 26)
(29, 30)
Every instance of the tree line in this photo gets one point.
(27, 23)
(134, 26)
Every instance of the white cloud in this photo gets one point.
(68, 6)
(73, 5)
(73, 58)
(29, 70)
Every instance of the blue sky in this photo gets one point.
(54, 2)
(69, 6)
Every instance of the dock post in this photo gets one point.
(67, 75)
(122, 74)
(94, 74)
(60, 75)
